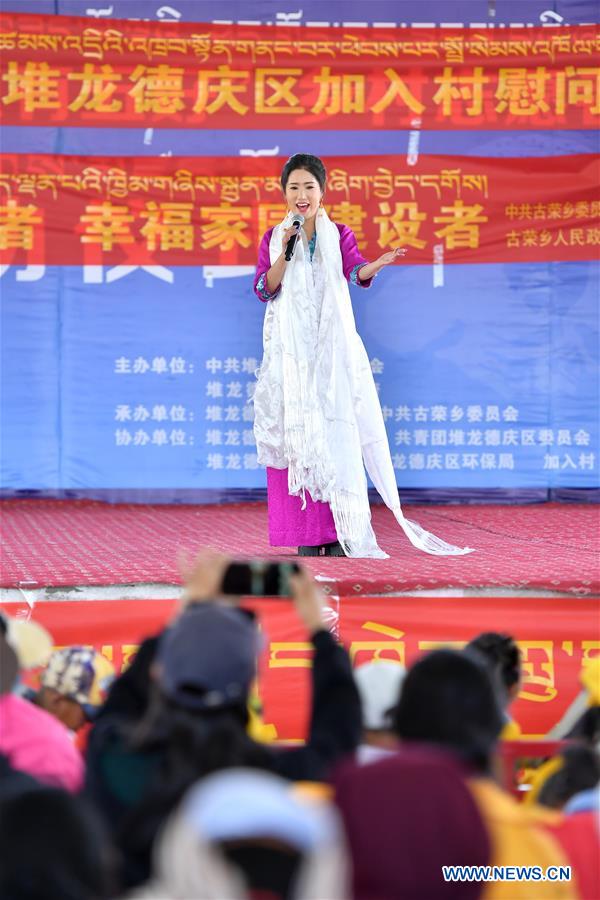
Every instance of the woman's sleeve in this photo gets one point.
(352, 258)
(264, 264)
(335, 719)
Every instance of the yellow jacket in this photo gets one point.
(518, 839)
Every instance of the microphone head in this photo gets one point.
(298, 220)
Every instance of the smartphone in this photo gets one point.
(258, 578)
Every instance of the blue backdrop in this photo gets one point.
(142, 379)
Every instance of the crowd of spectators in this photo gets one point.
(159, 783)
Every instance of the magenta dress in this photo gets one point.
(289, 524)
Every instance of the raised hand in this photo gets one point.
(392, 256)
(202, 575)
(308, 600)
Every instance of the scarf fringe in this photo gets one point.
(353, 527)
(425, 540)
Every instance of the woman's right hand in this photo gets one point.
(287, 233)
(308, 600)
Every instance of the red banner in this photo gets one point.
(557, 636)
(60, 70)
(69, 210)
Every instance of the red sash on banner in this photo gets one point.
(72, 210)
(554, 635)
(62, 70)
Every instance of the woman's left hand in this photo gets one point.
(392, 256)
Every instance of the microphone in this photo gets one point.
(298, 222)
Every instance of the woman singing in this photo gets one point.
(318, 421)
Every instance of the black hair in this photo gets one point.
(129, 694)
(587, 727)
(307, 162)
(269, 867)
(448, 699)
(502, 653)
(194, 743)
(52, 848)
(186, 745)
(580, 772)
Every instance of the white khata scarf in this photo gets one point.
(317, 412)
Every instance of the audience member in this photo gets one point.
(576, 769)
(129, 694)
(29, 640)
(579, 837)
(449, 700)
(503, 656)
(582, 717)
(379, 684)
(181, 772)
(52, 848)
(73, 685)
(575, 772)
(31, 740)
(242, 833)
(197, 716)
(569, 782)
(407, 816)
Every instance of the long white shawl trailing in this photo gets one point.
(317, 412)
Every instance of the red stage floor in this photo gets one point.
(63, 543)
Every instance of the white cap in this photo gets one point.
(238, 804)
(379, 685)
(30, 641)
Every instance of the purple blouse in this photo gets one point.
(352, 261)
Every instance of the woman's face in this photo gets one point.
(303, 193)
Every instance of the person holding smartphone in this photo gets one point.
(318, 421)
(181, 710)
